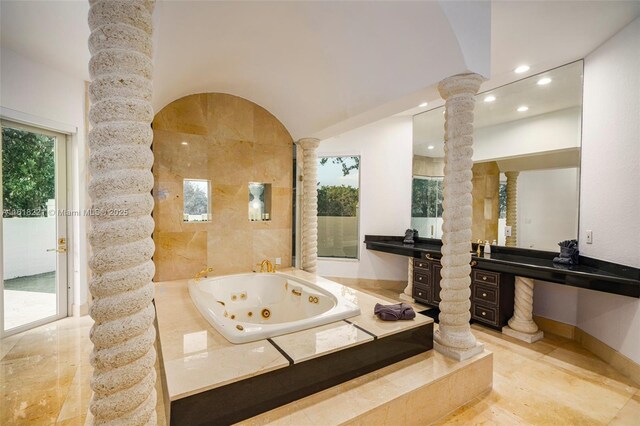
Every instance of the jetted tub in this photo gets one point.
(248, 307)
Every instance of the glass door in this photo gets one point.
(34, 227)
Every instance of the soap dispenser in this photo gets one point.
(487, 247)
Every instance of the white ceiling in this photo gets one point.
(319, 66)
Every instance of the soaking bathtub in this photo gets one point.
(248, 307)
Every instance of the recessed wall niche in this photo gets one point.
(259, 201)
(230, 142)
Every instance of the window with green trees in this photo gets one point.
(338, 206)
(427, 197)
(28, 172)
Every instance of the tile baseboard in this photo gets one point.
(597, 347)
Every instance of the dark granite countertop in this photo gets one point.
(591, 273)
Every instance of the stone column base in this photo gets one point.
(525, 337)
(406, 298)
(459, 354)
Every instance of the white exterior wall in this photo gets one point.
(29, 238)
(47, 95)
(385, 150)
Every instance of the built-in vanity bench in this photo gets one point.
(493, 275)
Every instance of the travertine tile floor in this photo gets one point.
(45, 372)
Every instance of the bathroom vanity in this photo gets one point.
(491, 292)
(592, 274)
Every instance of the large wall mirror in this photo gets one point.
(526, 171)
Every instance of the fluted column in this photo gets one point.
(521, 325)
(512, 208)
(453, 337)
(407, 293)
(120, 162)
(309, 203)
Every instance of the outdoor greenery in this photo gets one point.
(427, 197)
(28, 172)
(337, 201)
(503, 200)
(196, 199)
(334, 200)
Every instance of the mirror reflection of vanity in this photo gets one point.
(526, 169)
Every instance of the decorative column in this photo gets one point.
(453, 337)
(309, 203)
(521, 325)
(120, 162)
(512, 208)
(407, 293)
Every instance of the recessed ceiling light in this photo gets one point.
(521, 69)
(424, 104)
(430, 147)
(185, 143)
(523, 108)
(543, 81)
(490, 98)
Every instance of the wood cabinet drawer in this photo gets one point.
(486, 277)
(422, 264)
(484, 313)
(485, 293)
(420, 278)
(422, 293)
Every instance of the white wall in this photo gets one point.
(609, 194)
(28, 239)
(610, 191)
(385, 150)
(547, 208)
(545, 132)
(47, 95)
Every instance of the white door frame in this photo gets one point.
(63, 230)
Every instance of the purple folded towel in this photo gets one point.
(400, 311)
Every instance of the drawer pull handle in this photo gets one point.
(484, 294)
(419, 293)
(484, 313)
(484, 278)
(419, 278)
(420, 265)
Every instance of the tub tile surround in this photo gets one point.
(231, 142)
(308, 344)
(202, 368)
(190, 346)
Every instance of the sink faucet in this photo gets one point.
(267, 266)
(479, 250)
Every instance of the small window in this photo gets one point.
(197, 200)
(338, 207)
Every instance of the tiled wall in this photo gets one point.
(486, 197)
(231, 142)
